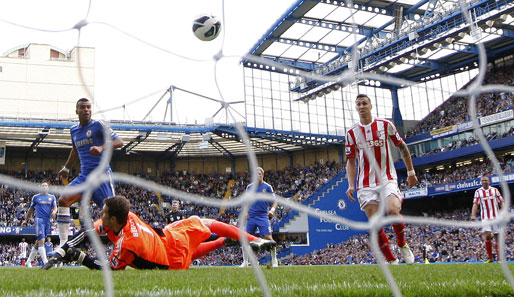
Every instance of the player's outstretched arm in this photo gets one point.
(72, 158)
(412, 180)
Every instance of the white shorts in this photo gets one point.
(494, 228)
(374, 195)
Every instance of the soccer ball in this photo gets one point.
(206, 27)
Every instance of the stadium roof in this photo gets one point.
(414, 40)
(166, 138)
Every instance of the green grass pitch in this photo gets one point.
(358, 280)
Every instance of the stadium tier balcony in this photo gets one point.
(454, 111)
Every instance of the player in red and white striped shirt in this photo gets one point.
(491, 201)
(373, 186)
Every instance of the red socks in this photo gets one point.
(383, 243)
(206, 247)
(400, 235)
(230, 231)
(489, 249)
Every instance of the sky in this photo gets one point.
(127, 69)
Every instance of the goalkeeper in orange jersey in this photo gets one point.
(140, 246)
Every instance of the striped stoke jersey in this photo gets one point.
(489, 201)
(378, 136)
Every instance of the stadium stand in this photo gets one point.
(450, 174)
(455, 110)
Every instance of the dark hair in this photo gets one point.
(363, 96)
(119, 207)
(81, 100)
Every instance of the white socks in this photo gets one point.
(42, 253)
(245, 258)
(34, 251)
(32, 255)
(273, 253)
(63, 224)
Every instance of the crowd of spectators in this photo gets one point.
(297, 183)
(445, 244)
(455, 110)
(9, 254)
(453, 174)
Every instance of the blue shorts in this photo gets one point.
(104, 190)
(258, 223)
(42, 228)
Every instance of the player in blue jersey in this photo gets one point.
(88, 144)
(45, 206)
(259, 216)
(49, 247)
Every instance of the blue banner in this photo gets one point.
(322, 231)
(17, 230)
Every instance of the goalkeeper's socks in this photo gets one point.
(230, 231)
(206, 247)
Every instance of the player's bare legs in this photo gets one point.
(393, 208)
(64, 216)
(488, 238)
(383, 241)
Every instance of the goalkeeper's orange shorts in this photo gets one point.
(182, 239)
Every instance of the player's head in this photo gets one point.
(83, 109)
(115, 211)
(484, 180)
(175, 205)
(363, 104)
(260, 174)
(44, 188)
(48, 239)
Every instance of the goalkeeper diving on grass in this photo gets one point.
(138, 245)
